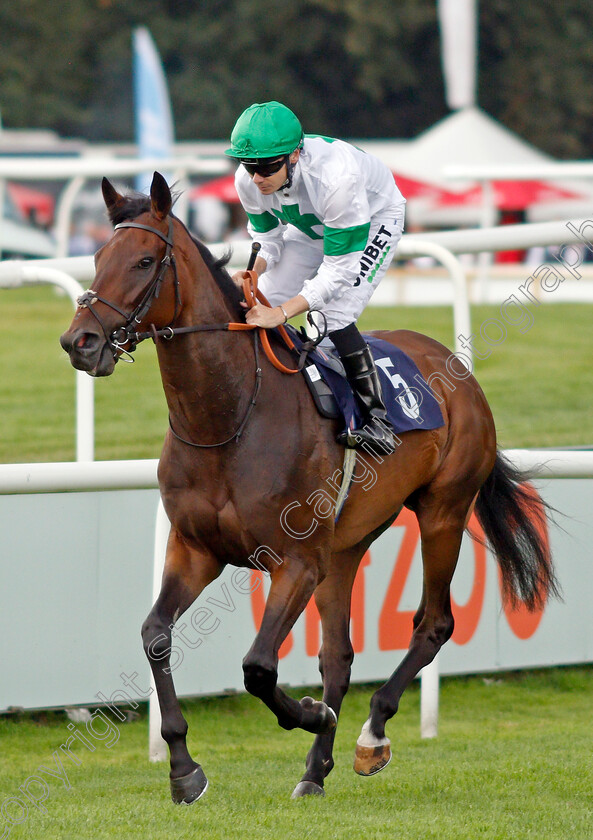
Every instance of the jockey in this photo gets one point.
(328, 217)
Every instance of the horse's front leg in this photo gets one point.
(292, 585)
(186, 574)
(332, 597)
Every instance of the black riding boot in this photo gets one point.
(376, 433)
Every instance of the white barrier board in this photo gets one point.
(76, 584)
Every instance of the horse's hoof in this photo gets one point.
(370, 760)
(324, 718)
(188, 789)
(307, 789)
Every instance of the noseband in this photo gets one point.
(127, 334)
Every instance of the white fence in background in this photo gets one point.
(70, 272)
(75, 171)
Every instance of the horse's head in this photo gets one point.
(135, 283)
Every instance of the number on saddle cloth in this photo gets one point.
(409, 400)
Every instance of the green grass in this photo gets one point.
(539, 384)
(512, 760)
(37, 403)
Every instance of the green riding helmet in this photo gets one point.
(265, 130)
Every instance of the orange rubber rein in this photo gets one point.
(252, 296)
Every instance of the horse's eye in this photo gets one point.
(146, 262)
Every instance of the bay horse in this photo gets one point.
(244, 442)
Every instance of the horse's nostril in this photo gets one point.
(83, 343)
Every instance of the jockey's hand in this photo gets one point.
(238, 277)
(264, 316)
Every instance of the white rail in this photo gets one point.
(520, 171)
(82, 269)
(64, 168)
(473, 240)
(142, 473)
(73, 476)
(476, 240)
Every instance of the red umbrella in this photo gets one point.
(222, 188)
(508, 195)
(511, 195)
(32, 202)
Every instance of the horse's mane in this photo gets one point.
(136, 203)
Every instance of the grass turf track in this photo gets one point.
(512, 761)
(539, 383)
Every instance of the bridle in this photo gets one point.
(127, 334)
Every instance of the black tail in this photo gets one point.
(513, 517)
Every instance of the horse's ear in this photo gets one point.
(111, 197)
(160, 197)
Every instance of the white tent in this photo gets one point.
(468, 137)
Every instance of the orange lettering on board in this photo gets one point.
(395, 625)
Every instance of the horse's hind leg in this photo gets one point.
(441, 532)
(292, 585)
(186, 575)
(332, 598)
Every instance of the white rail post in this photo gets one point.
(85, 385)
(413, 247)
(85, 417)
(64, 214)
(487, 220)
(157, 747)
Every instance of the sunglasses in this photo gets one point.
(264, 170)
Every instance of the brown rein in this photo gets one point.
(252, 294)
(131, 337)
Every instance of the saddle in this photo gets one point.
(322, 394)
(410, 402)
